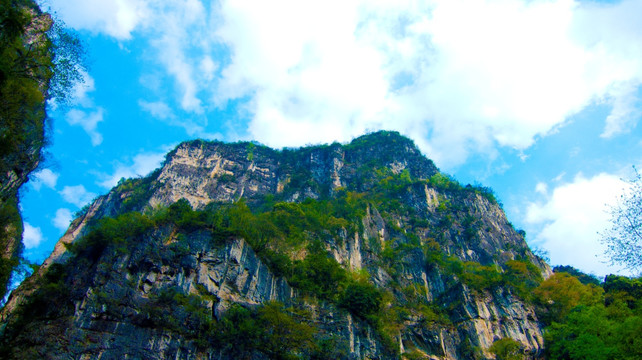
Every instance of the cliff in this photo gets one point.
(237, 250)
(25, 59)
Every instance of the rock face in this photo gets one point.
(366, 246)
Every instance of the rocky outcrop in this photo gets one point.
(449, 268)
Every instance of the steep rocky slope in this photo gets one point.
(234, 251)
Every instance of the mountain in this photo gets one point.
(238, 251)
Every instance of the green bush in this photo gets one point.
(110, 231)
(523, 276)
(271, 329)
(330, 347)
(507, 349)
(479, 277)
(318, 274)
(361, 299)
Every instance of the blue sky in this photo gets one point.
(540, 100)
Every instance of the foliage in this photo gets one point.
(283, 336)
(520, 275)
(589, 323)
(318, 274)
(136, 191)
(110, 231)
(523, 276)
(250, 151)
(507, 349)
(271, 329)
(330, 347)
(475, 275)
(581, 276)
(69, 62)
(621, 288)
(361, 299)
(38, 61)
(562, 292)
(590, 332)
(624, 240)
(446, 183)
(52, 299)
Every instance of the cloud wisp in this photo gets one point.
(44, 177)
(88, 121)
(77, 195)
(141, 165)
(62, 219)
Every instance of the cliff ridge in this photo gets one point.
(362, 250)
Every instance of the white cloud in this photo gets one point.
(157, 109)
(141, 165)
(568, 223)
(44, 177)
(88, 121)
(77, 195)
(32, 236)
(458, 76)
(63, 219)
(541, 188)
(117, 18)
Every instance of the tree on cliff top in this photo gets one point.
(624, 239)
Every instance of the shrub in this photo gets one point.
(507, 349)
(523, 276)
(110, 231)
(319, 273)
(361, 299)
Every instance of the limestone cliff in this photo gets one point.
(360, 251)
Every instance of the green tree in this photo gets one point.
(586, 334)
(581, 276)
(562, 292)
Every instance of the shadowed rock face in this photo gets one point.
(413, 233)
